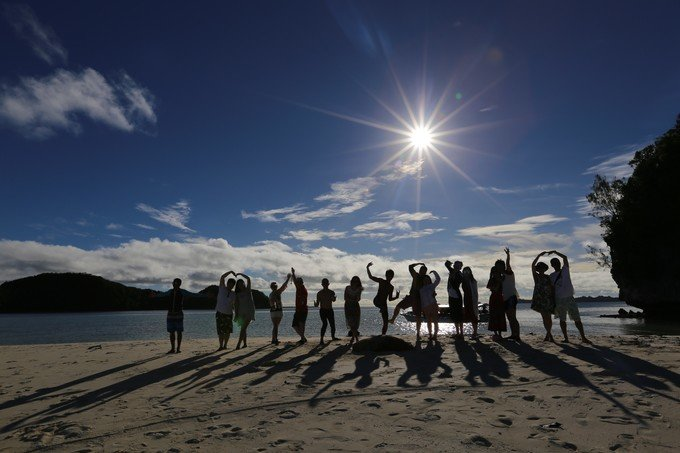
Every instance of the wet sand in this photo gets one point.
(621, 394)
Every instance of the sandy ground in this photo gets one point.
(620, 394)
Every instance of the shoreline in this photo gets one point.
(620, 393)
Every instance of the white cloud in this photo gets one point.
(345, 197)
(395, 220)
(200, 261)
(616, 166)
(314, 235)
(144, 226)
(176, 215)
(41, 38)
(114, 226)
(524, 189)
(526, 225)
(39, 107)
(415, 234)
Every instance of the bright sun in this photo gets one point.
(421, 138)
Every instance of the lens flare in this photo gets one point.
(421, 138)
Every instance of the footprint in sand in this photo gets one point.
(485, 399)
(157, 434)
(429, 417)
(288, 414)
(529, 397)
(476, 439)
(433, 400)
(616, 420)
(373, 404)
(563, 444)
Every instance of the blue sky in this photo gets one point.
(141, 141)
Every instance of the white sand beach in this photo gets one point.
(622, 393)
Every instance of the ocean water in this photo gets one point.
(44, 328)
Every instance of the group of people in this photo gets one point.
(553, 295)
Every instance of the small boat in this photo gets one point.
(444, 316)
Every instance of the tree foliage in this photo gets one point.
(639, 218)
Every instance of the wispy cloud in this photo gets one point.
(617, 165)
(114, 226)
(144, 226)
(523, 232)
(41, 38)
(395, 220)
(39, 107)
(415, 234)
(345, 197)
(176, 215)
(314, 235)
(520, 189)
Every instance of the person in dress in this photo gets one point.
(324, 300)
(564, 296)
(470, 300)
(245, 309)
(224, 309)
(455, 296)
(543, 300)
(510, 295)
(385, 292)
(301, 308)
(429, 304)
(276, 307)
(352, 308)
(496, 305)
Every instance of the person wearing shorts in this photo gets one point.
(564, 296)
(175, 317)
(414, 293)
(301, 309)
(510, 296)
(224, 309)
(276, 307)
(455, 296)
(324, 300)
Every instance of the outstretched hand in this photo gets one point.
(447, 263)
(507, 251)
(369, 264)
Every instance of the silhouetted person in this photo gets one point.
(455, 296)
(413, 298)
(352, 308)
(496, 306)
(564, 296)
(470, 300)
(324, 300)
(543, 299)
(276, 307)
(429, 304)
(175, 317)
(245, 309)
(301, 309)
(510, 297)
(224, 309)
(385, 292)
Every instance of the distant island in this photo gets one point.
(59, 292)
(585, 299)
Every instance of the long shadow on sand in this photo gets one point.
(423, 363)
(41, 393)
(638, 372)
(324, 365)
(481, 362)
(94, 398)
(552, 365)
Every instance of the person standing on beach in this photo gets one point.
(175, 317)
(470, 300)
(564, 296)
(276, 307)
(510, 296)
(324, 300)
(352, 307)
(414, 293)
(429, 304)
(301, 309)
(543, 300)
(224, 309)
(496, 306)
(385, 292)
(245, 309)
(455, 297)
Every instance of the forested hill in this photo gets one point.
(55, 292)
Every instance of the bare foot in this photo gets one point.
(172, 351)
(585, 340)
(177, 351)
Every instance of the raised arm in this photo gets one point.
(412, 268)
(224, 276)
(507, 260)
(449, 265)
(437, 278)
(368, 270)
(285, 284)
(565, 261)
(247, 280)
(533, 263)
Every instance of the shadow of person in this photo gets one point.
(94, 398)
(41, 393)
(423, 364)
(476, 367)
(287, 365)
(554, 366)
(492, 360)
(638, 372)
(324, 365)
(364, 366)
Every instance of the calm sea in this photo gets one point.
(42, 328)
